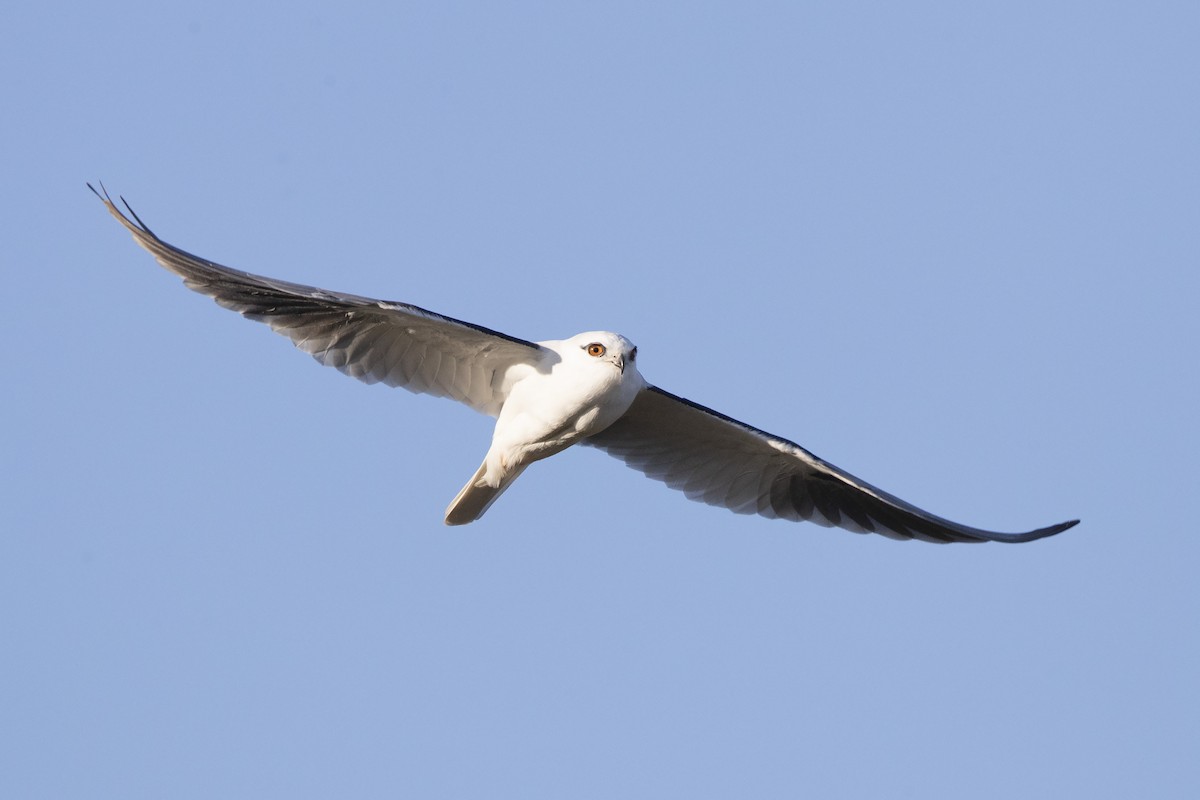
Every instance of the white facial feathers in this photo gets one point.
(599, 347)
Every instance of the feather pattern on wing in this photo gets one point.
(375, 341)
(717, 460)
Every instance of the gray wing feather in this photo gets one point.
(717, 460)
(375, 341)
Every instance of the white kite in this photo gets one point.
(547, 396)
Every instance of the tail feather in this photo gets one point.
(471, 503)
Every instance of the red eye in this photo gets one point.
(595, 349)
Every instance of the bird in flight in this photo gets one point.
(547, 396)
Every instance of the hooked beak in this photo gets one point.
(620, 360)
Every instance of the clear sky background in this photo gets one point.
(950, 247)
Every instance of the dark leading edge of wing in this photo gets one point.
(375, 341)
(723, 462)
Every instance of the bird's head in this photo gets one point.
(605, 348)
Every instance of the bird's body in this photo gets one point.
(568, 396)
(547, 396)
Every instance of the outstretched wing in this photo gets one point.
(372, 340)
(720, 461)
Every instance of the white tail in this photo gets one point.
(471, 503)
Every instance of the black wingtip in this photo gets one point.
(136, 218)
(106, 198)
(1060, 527)
(102, 193)
(1040, 533)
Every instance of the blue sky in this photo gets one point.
(952, 248)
